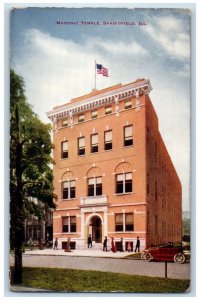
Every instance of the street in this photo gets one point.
(117, 265)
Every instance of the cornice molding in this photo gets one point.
(135, 89)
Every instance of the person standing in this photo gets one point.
(89, 241)
(105, 244)
(113, 248)
(56, 244)
(129, 247)
(137, 247)
(121, 245)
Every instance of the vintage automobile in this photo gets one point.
(167, 252)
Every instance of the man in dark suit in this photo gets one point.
(105, 244)
(89, 241)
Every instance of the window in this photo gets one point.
(128, 135)
(69, 224)
(129, 222)
(124, 183)
(108, 140)
(128, 104)
(94, 143)
(81, 118)
(124, 222)
(108, 110)
(119, 222)
(81, 146)
(95, 186)
(64, 123)
(94, 114)
(72, 224)
(64, 149)
(68, 189)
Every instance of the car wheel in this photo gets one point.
(148, 257)
(179, 258)
(143, 256)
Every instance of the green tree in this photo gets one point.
(30, 166)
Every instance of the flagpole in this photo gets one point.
(95, 75)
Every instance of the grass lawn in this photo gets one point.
(133, 256)
(95, 281)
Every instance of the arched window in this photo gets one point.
(94, 182)
(124, 178)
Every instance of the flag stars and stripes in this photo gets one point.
(102, 70)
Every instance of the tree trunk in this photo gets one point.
(17, 274)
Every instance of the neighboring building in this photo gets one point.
(36, 228)
(112, 174)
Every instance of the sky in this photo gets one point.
(57, 62)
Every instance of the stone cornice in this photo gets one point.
(135, 89)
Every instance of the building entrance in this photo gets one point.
(96, 229)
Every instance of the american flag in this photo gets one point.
(102, 70)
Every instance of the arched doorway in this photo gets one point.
(96, 229)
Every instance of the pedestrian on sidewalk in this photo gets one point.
(137, 247)
(105, 244)
(89, 241)
(56, 244)
(113, 248)
(129, 247)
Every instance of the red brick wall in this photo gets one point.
(140, 159)
(165, 203)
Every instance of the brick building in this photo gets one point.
(113, 174)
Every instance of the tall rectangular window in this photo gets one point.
(68, 189)
(108, 110)
(69, 224)
(81, 146)
(124, 222)
(129, 222)
(118, 222)
(81, 118)
(95, 186)
(108, 140)
(94, 114)
(94, 143)
(72, 224)
(124, 183)
(128, 135)
(65, 226)
(64, 149)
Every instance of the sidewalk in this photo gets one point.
(91, 252)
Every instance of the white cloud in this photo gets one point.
(169, 23)
(118, 48)
(168, 33)
(56, 70)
